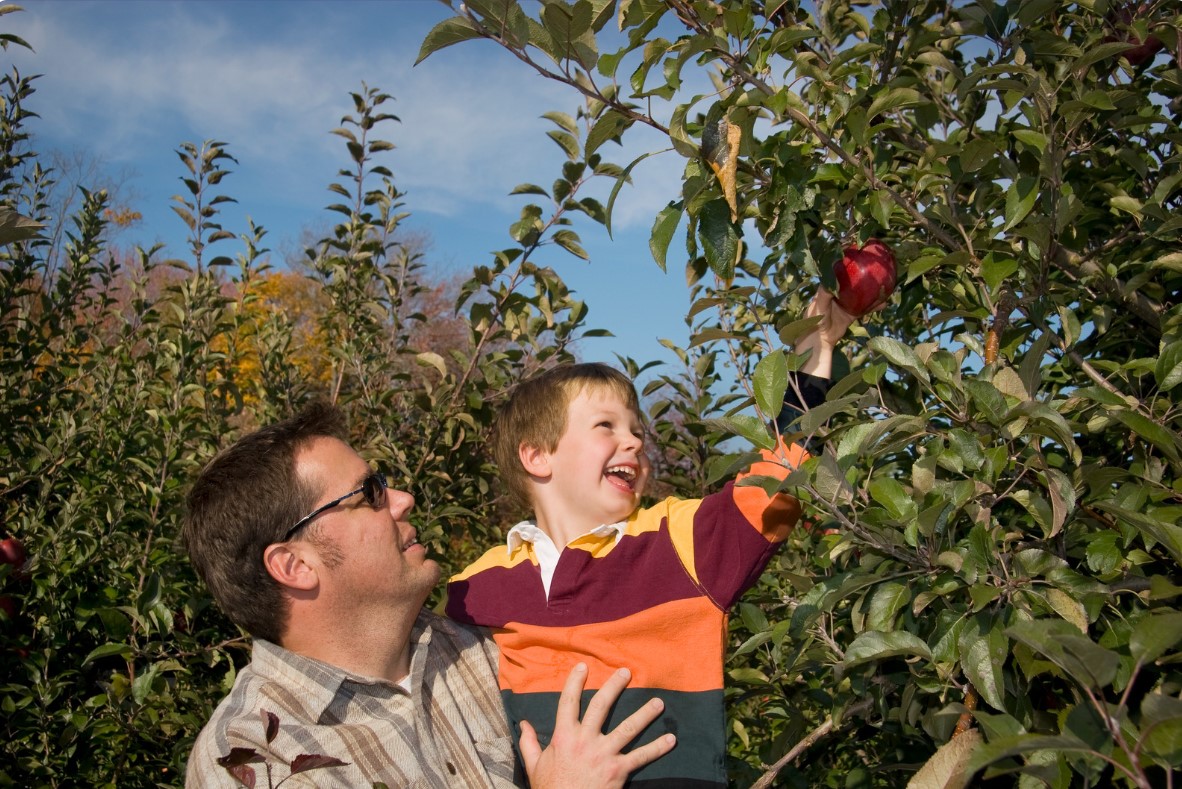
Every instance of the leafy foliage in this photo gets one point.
(996, 505)
(992, 541)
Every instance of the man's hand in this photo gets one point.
(580, 754)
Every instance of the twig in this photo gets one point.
(807, 742)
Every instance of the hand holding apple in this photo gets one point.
(866, 277)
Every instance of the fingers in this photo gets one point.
(531, 749)
(821, 302)
(639, 757)
(572, 691)
(635, 723)
(601, 703)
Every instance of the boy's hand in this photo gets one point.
(821, 341)
(580, 755)
(834, 320)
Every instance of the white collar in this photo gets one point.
(528, 531)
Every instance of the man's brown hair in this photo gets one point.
(536, 415)
(245, 499)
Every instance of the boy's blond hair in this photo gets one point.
(536, 415)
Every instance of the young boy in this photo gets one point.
(593, 579)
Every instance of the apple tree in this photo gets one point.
(989, 580)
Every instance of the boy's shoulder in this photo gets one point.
(499, 555)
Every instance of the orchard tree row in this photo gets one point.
(988, 582)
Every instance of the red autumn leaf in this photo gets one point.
(238, 756)
(244, 774)
(312, 761)
(271, 721)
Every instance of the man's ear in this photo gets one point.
(285, 563)
(535, 460)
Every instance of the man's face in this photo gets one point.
(599, 470)
(371, 557)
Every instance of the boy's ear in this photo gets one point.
(286, 563)
(535, 460)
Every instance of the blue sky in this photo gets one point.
(127, 81)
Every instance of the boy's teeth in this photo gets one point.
(627, 471)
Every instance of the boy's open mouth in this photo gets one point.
(624, 476)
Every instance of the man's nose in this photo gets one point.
(400, 503)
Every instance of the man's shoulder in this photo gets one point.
(459, 636)
(238, 721)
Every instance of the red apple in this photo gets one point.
(13, 552)
(1142, 50)
(1145, 50)
(866, 277)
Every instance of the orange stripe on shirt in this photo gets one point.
(538, 659)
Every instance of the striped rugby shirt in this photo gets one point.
(448, 731)
(654, 600)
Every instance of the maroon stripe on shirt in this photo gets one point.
(729, 554)
(584, 589)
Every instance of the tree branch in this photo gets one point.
(808, 741)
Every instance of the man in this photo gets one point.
(303, 546)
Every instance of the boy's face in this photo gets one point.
(598, 470)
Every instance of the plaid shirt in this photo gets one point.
(449, 731)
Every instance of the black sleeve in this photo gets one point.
(812, 394)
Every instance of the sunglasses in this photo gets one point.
(373, 490)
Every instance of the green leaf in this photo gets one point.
(881, 205)
(982, 658)
(609, 127)
(996, 270)
(1020, 199)
(107, 650)
(622, 179)
(1068, 607)
(720, 238)
(1032, 138)
(771, 383)
(663, 228)
(569, 240)
(1161, 728)
(901, 356)
(1164, 532)
(1008, 747)
(1155, 634)
(1086, 662)
(1130, 205)
(141, 687)
(892, 495)
(150, 595)
(1168, 370)
(888, 600)
(830, 482)
(527, 189)
(567, 142)
(432, 359)
(749, 427)
(893, 100)
(874, 645)
(1160, 437)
